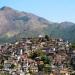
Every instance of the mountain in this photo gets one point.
(15, 25)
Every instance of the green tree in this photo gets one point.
(47, 37)
(72, 63)
(1, 66)
(45, 59)
(47, 68)
(12, 66)
(34, 55)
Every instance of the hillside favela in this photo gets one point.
(35, 45)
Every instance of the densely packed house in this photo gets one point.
(37, 56)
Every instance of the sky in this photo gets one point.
(52, 10)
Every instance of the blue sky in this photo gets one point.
(53, 10)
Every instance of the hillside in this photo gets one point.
(15, 24)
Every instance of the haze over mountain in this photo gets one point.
(15, 24)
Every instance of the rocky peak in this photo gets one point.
(5, 8)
